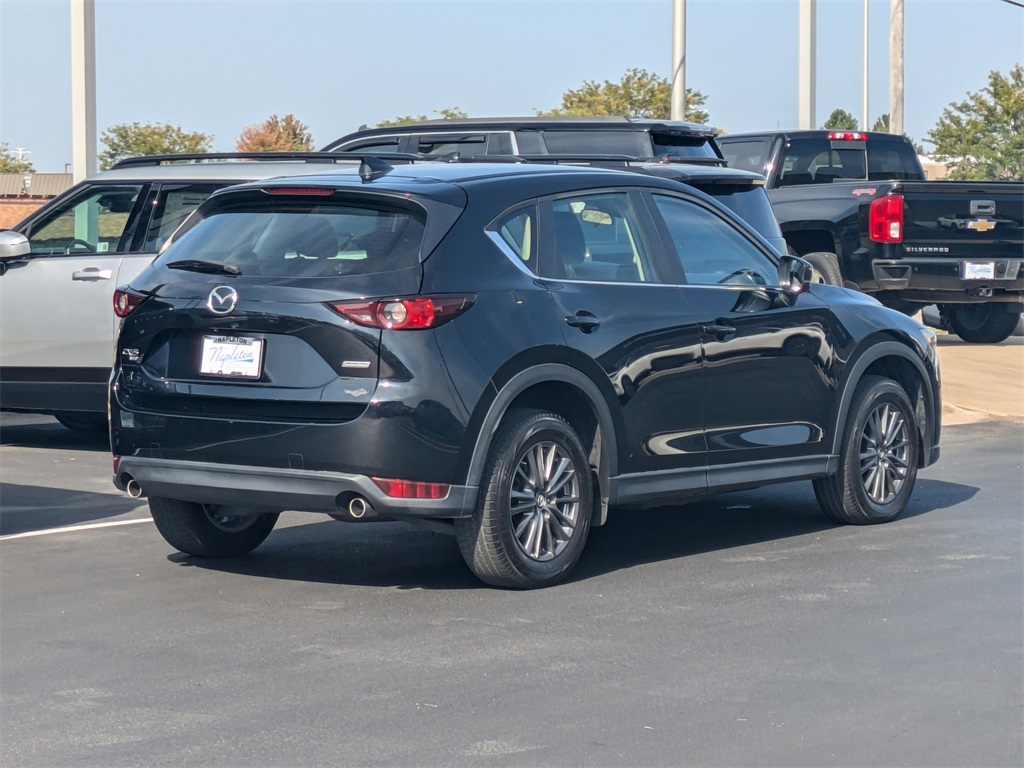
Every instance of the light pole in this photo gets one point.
(678, 104)
(83, 88)
(896, 68)
(807, 81)
(864, 100)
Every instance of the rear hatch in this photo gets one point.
(261, 308)
(963, 219)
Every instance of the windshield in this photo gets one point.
(299, 240)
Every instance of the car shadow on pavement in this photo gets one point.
(53, 435)
(399, 555)
(25, 508)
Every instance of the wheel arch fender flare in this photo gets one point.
(856, 372)
(519, 383)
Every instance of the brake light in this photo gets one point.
(322, 191)
(126, 302)
(404, 314)
(847, 136)
(885, 219)
(411, 489)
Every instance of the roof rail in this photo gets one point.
(606, 161)
(306, 157)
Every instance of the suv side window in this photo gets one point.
(464, 144)
(96, 220)
(518, 231)
(172, 204)
(596, 238)
(710, 249)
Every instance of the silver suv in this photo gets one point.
(59, 268)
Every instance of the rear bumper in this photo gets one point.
(280, 489)
(950, 279)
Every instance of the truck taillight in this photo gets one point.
(885, 219)
(847, 136)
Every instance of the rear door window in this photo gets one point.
(173, 202)
(303, 240)
(597, 238)
(465, 144)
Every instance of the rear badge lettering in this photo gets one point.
(356, 364)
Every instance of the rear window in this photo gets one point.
(297, 240)
(670, 145)
(819, 161)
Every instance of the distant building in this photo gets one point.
(23, 193)
(933, 169)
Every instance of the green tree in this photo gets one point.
(276, 134)
(840, 120)
(448, 113)
(982, 137)
(882, 126)
(132, 140)
(638, 94)
(11, 164)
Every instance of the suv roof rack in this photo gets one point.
(606, 161)
(307, 157)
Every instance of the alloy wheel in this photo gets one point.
(884, 453)
(544, 501)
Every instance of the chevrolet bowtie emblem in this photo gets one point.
(981, 225)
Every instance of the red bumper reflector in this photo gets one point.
(411, 489)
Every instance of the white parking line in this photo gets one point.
(72, 528)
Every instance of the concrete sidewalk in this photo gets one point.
(981, 382)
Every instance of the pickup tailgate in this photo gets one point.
(963, 219)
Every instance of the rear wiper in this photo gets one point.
(210, 267)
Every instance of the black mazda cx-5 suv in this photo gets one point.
(505, 351)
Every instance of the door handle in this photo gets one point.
(93, 273)
(583, 320)
(720, 331)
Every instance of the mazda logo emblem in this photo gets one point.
(222, 300)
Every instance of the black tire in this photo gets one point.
(982, 323)
(878, 457)
(83, 421)
(537, 543)
(200, 529)
(826, 267)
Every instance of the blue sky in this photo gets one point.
(218, 67)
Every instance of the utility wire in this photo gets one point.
(1014, 2)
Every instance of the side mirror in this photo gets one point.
(13, 245)
(794, 274)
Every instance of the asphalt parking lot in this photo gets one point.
(743, 631)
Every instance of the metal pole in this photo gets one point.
(864, 101)
(83, 88)
(678, 104)
(808, 64)
(896, 69)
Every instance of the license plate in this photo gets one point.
(232, 356)
(979, 270)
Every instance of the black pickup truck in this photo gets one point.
(856, 205)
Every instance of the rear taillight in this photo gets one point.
(885, 219)
(404, 314)
(411, 489)
(847, 136)
(126, 302)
